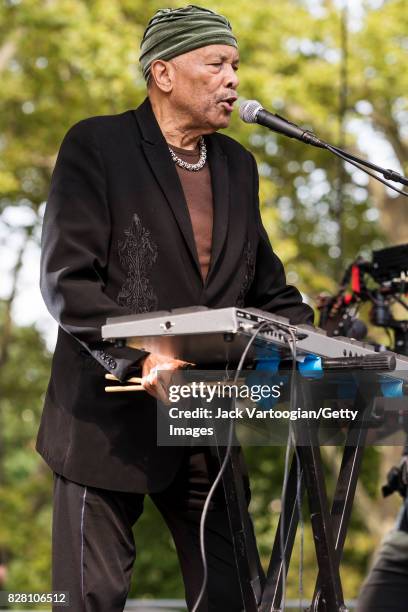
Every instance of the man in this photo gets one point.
(385, 589)
(147, 210)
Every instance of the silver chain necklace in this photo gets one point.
(192, 167)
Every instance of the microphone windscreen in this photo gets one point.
(248, 110)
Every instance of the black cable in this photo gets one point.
(262, 326)
(391, 175)
(301, 527)
(299, 477)
(291, 441)
(282, 521)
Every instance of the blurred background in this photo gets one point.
(334, 66)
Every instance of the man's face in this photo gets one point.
(205, 86)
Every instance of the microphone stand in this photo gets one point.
(310, 138)
(252, 111)
(389, 174)
(360, 163)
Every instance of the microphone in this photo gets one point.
(251, 111)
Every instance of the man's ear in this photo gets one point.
(162, 73)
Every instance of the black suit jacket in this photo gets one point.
(117, 239)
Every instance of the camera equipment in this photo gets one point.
(383, 282)
(395, 481)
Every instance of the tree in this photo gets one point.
(61, 61)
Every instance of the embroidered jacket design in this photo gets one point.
(137, 254)
(249, 273)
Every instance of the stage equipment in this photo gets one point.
(383, 282)
(230, 335)
(395, 482)
(207, 336)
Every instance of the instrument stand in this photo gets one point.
(262, 593)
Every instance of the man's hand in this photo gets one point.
(150, 382)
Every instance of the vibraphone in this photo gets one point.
(205, 336)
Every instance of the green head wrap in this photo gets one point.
(171, 32)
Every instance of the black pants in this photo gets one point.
(386, 586)
(94, 549)
(384, 592)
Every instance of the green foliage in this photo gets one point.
(71, 59)
(62, 61)
(25, 482)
